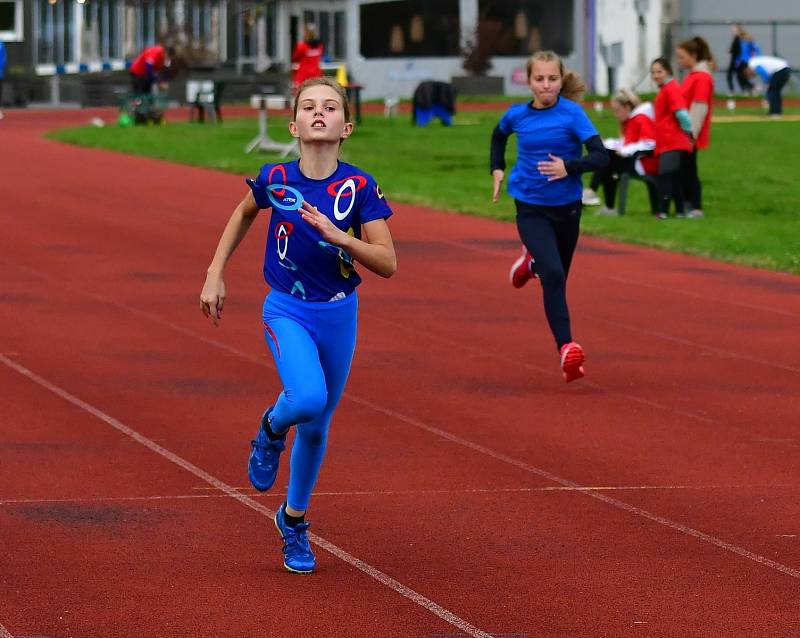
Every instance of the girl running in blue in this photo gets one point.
(325, 216)
(546, 185)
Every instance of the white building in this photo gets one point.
(628, 39)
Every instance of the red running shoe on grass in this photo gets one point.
(572, 359)
(522, 270)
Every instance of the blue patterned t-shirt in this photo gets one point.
(297, 261)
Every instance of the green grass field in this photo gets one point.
(751, 191)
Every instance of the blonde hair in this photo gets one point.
(572, 86)
(324, 81)
(627, 98)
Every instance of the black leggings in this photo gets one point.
(692, 187)
(550, 233)
(608, 177)
(672, 175)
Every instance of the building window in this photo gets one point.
(418, 28)
(339, 31)
(11, 25)
(521, 27)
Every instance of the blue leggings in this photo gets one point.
(312, 344)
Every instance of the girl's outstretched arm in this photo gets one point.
(212, 297)
(375, 251)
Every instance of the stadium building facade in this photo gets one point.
(388, 46)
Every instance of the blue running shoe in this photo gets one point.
(297, 555)
(262, 467)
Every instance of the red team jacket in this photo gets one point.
(640, 127)
(154, 56)
(669, 135)
(308, 56)
(698, 86)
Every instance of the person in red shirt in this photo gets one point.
(632, 153)
(674, 140)
(306, 57)
(698, 91)
(148, 64)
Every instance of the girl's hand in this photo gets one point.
(497, 177)
(212, 298)
(554, 169)
(324, 226)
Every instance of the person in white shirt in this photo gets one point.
(775, 72)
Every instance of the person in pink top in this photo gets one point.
(674, 140)
(307, 56)
(148, 64)
(698, 91)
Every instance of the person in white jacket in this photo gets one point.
(775, 72)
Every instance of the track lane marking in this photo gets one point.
(364, 567)
(464, 442)
(249, 491)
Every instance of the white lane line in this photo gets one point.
(281, 494)
(4, 633)
(684, 529)
(260, 361)
(368, 569)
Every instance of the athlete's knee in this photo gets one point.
(551, 276)
(307, 404)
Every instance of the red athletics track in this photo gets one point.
(467, 492)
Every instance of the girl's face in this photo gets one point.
(621, 111)
(685, 59)
(545, 82)
(659, 74)
(320, 116)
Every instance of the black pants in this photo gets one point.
(776, 84)
(740, 71)
(608, 178)
(550, 233)
(141, 85)
(692, 187)
(672, 175)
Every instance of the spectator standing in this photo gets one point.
(673, 138)
(735, 67)
(698, 91)
(307, 56)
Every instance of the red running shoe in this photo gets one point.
(572, 359)
(522, 270)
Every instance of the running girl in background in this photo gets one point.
(674, 139)
(698, 91)
(325, 216)
(546, 185)
(632, 153)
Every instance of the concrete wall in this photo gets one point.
(781, 39)
(618, 22)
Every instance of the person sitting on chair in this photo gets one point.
(632, 153)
